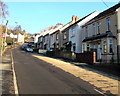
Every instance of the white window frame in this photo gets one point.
(72, 32)
(88, 47)
(104, 46)
(83, 47)
(94, 32)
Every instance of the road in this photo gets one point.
(35, 76)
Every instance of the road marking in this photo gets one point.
(14, 77)
(99, 92)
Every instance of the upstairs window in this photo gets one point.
(48, 38)
(64, 35)
(86, 31)
(94, 29)
(73, 32)
(41, 39)
(57, 36)
(108, 24)
(98, 27)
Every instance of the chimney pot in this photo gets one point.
(73, 18)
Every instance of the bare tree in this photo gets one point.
(3, 10)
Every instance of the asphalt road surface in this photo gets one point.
(35, 76)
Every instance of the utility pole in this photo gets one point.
(5, 33)
(4, 38)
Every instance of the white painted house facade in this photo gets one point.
(75, 32)
(20, 38)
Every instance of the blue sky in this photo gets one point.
(35, 16)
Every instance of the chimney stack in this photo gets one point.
(52, 27)
(75, 18)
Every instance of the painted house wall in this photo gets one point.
(103, 29)
(46, 41)
(40, 43)
(20, 38)
(76, 39)
(52, 37)
(63, 31)
(64, 40)
(118, 35)
(52, 40)
(36, 38)
(57, 39)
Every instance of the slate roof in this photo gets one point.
(80, 20)
(108, 11)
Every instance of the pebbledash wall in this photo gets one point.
(102, 34)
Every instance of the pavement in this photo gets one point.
(6, 73)
(104, 83)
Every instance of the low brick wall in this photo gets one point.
(89, 57)
(50, 53)
(67, 55)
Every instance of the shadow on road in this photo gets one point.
(108, 71)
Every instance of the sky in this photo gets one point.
(36, 16)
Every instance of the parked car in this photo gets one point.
(24, 47)
(50, 49)
(29, 49)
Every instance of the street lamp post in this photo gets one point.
(14, 36)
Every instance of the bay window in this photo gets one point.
(104, 47)
(110, 46)
(83, 47)
(88, 47)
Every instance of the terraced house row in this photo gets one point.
(94, 38)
